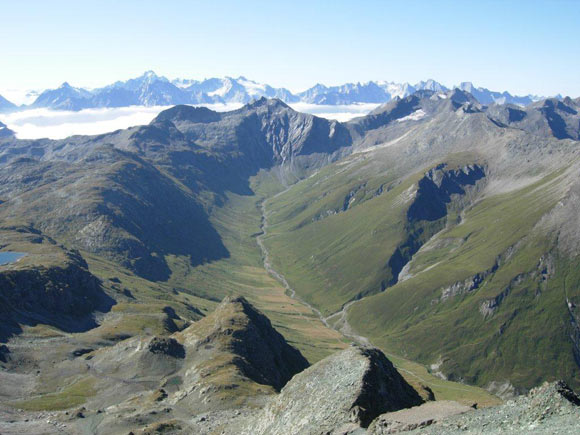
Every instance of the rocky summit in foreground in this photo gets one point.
(344, 391)
(233, 373)
(222, 373)
(552, 408)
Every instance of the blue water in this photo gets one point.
(10, 257)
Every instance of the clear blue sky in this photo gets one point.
(520, 46)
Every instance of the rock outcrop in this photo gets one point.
(254, 348)
(548, 409)
(63, 295)
(427, 214)
(225, 369)
(346, 390)
(417, 417)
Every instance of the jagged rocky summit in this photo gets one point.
(343, 392)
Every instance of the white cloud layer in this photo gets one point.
(53, 124)
(339, 112)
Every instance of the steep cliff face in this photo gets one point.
(436, 189)
(269, 131)
(62, 295)
(427, 214)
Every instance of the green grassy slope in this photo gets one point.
(523, 339)
(331, 254)
(334, 233)
(341, 256)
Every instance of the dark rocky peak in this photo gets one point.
(553, 104)
(5, 131)
(162, 132)
(436, 188)
(184, 113)
(347, 389)
(398, 105)
(282, 133)
(460, 97)
(260, 352)
(506, 114)
(568, 101)
(416, 106)
(553, 118)
(258, 135)
(270, 103)
(383, 115)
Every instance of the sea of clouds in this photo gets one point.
(58, 124)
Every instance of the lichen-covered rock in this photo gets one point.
(552, 408)
(416, 417)
(347, 389)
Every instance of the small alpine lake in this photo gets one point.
(10, 257)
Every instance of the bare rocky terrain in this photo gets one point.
(212, 377)
(222, 373)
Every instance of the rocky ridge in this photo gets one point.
(346, 390)
(223, 374)
(552, 408)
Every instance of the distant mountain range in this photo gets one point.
(6, 106)
(152, 90)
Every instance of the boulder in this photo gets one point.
(348, 389)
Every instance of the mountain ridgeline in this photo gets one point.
(441, 229)
(138, 195)
(153, 90)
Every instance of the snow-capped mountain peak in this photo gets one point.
(151, 89)
(431, 85)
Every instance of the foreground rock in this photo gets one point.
(416, 417)
(345, 391)
(552, 408)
